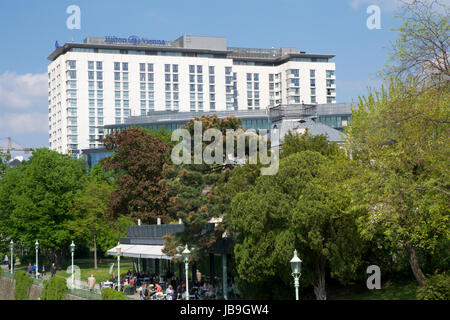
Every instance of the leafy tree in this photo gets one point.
(190, 190)
(422, 46)
(304, 206)
(137, 165)
(34, 200)
(3, 163)
(91, 222)
(397, 134)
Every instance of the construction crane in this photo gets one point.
(10, 148)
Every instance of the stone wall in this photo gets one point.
(7, 291)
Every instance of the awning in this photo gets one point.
(140, 251)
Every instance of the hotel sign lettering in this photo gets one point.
(133, 40)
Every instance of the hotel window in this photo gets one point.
(100, 112)
(91, 75)
(99, 75)
(192, 96)
(99, 85)
(72, 74)
(228, 80)
(91, 103)
(312, 73)
(249, 77)
(211, 79)
(200, 87)
(167, 86)
(117, 85)
(200, 96)
(126, 112)
(175, 87)
(228, 70)
(313, 91)
(212, 97)
(125, 76)
(175, 68)
(167, 77)
(100, 121)
(192, 105)
(167, 67)
(330, 73)
(126, 103)
(91, 112)
(150, 67)
(72, 84)
(331, 99)
(125, 86)
(117, 76)
(211, 69)
(256, 76)
(125, 66)
(271, 77)
(199, 78)
(151, 86)
(249, 102)
(175, 96)
(313, 99)
(143, 86)
(168, 96)
(117, 103)
(99, 65)
(116, 66)
(199, 69)
(91, 93)
(313, 82)
(117, 94)
(72, 64)
(200, 105)
(330, 83)
(142, 77)
(191, 69)
(191, 78)
(212, 106)
(142, 67)
(125, 95)
(175, 78)
(256, 103)
(212, 88)
(91, 65)
(150, 77)
(92, 121)
(256, 85)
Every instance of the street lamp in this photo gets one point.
(186, 253)
(296, 268)
(37, 261)
(11, 244)
(72, 250)
(119, 250)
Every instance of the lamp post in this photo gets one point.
(186, 254)
(119, 250)
(11, 244)
(296, 268)
(72, 250)
(37, 261)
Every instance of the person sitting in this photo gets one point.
(158, 288)
(144, 294)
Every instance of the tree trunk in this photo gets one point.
(415, 266)
(95, 251)
(319, 285)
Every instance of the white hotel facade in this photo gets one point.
(105, 80)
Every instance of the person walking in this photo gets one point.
(91, 282)
(29, 268)
(53, 270)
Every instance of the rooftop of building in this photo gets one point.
(274, 113)
(216, 46)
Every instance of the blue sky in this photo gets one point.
(29, 29)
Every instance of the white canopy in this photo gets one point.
(140, 251)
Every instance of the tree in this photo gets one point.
(137, 165)
(190, 190)
(34, 199)
(3, 163)
(401, 137)
(421, 50)
(305, 207)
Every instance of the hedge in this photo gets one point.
(110, 294)
(437, 287)
(54, 289)
(22, 286)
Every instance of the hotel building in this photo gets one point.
(103, 81)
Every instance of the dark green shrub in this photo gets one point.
(110, 294)
(437, 287)
(22, 286)
(54, 289)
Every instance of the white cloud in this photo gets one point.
(24, 106)
(12, 124)
(22, 91)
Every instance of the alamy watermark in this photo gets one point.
(74, 20)
(374, 20)
(374, 280)
(213, 153)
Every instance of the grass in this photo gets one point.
(388, 291)
(87, 268)
(101, 273)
